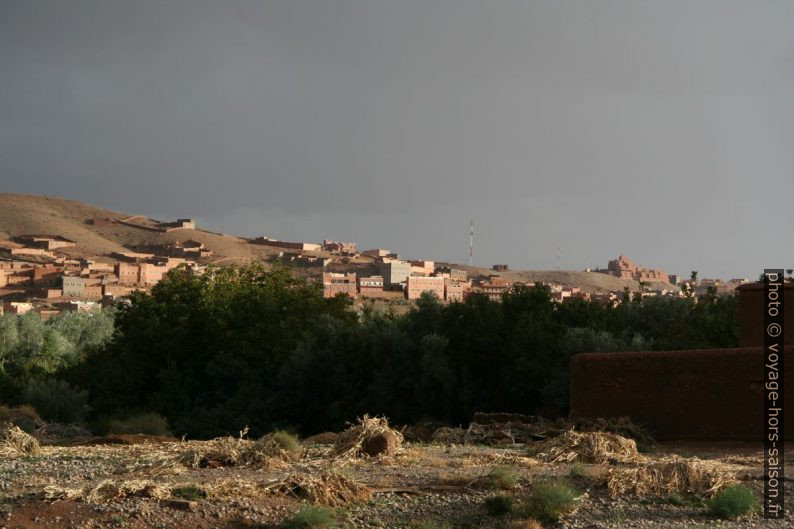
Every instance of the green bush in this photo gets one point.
(142, 423)
(733, 502)
(55, 400)
(499, 504)
(503, 477)
(310, 517)
(549, 501)
(189, 492)
(287, 442)
(579, 471)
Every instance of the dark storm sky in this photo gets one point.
(664, 130)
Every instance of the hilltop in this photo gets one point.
(33, 214)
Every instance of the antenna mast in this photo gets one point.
(558, 258)
(471, 240)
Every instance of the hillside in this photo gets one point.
(31, 214)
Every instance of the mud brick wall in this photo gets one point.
(702, 394)
(751, 315)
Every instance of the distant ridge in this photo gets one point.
(35, 214)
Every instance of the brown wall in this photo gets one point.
(703, 394)
(751, 315)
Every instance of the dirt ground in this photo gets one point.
(444, 484)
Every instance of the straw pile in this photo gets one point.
(589, 447)
(660, 478)
(267, 452)
(13, 439)
(325, 488)
(370, 437)
(107, 491)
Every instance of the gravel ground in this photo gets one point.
(422, 483)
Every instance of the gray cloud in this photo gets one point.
(658, 129)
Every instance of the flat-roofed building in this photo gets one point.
(73, 286)
(370, 286)
(454, 290)
(334, 284)
(416, 285)
(394, 272)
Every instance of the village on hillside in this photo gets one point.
(41, 273)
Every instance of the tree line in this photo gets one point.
(260, 347)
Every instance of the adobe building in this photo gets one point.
(47, 242)
(416, 285)
(625, 268)
(342, 247)
(73, 286)
(334, 284)
(394, 272)
(751, 314)
(371, 286)
(454, 289)
(699, 394)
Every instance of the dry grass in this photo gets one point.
(660, 478)
(371, 436)
(589, 447)
(324, 488)
(14, 440)
(528, 523)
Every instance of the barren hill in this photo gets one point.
(40, 215)
(32, 214)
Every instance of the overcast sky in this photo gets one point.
(663, 130)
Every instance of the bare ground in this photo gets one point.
(440, 483)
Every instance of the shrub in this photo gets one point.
(310, 517)
(681, 500)
(499, 504)
(56, 400)
(142, 423)
(189, 492)
(549, 501)
(733, 502)
(504, 478)
(579, 471)
(287, 442)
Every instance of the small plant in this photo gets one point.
(142, 423)
(549, 501)
(579, 471)
(189, 492)
(310, 517)
(681, 500)
(498, 505)
(733, 502)
(287, 441)
(504, 478)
